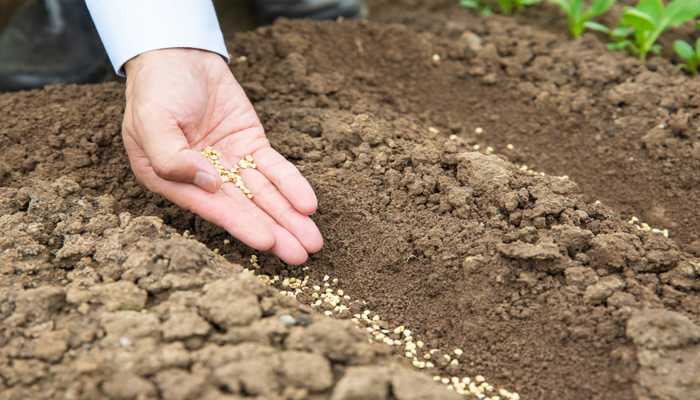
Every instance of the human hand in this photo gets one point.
(179, 101)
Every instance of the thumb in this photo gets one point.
(188, 166)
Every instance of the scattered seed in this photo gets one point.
(479, 131)
(232, 175)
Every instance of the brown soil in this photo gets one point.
(547, 293)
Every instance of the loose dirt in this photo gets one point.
(548, 293)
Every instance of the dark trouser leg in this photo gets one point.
(48, 42)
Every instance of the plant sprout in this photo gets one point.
(577, 17)
(646, 22)
(507, 6)
(690, 54)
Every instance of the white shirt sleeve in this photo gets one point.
(131, 27)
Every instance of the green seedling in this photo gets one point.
(647, 21)
(692, 56)
(507, 7)
(478, 5)
(578, 19)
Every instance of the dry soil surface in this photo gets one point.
(548, 293)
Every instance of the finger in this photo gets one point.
(217, 208)
(269, 199)
(287, 247)
(170, 156)
(287, 178)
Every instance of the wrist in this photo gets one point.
(176, 55)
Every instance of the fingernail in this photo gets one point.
(205, 181)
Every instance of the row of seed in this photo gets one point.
(234, 174)
(414, 349)
(524, 168)
(634, 221)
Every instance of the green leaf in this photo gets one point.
(576, 9)
(529, 2)
(653, 8)
(622, 31)
(656, 48)
(596, 27)
(683, 49)
(697, 47)
(469, 3)
(620, 45)
(681, 11)
(599, 7)
(564, 4)
(694, 61)
(640, 20)
(485, 11)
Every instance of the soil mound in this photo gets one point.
(544, 293)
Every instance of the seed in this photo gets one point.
(510, 146)
(458, 352)
(416, 363)
(249, 158)
(409, 354)
(436, 378)
(407, 332)
(399, 329)
(429, 365)
(250, 196)
(328, 313)
(436, 57)
(445, 381)
(480, 378)
(454, 362)
(419, 344)
(340, 292)
(479, 130)
(447, 357)
(433, 130)
(375, 318)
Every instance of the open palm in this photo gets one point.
(179, 101)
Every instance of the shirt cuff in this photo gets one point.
(131, 27)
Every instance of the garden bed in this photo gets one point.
(546, 292)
